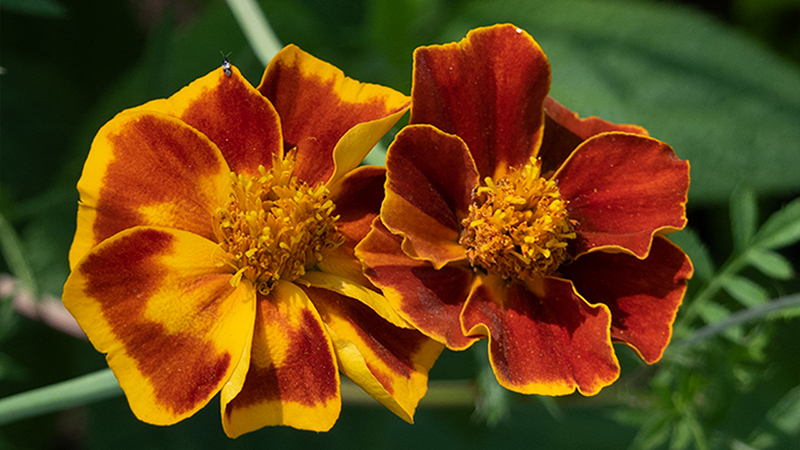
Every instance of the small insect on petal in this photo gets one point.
(226, 65)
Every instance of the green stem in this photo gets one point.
(256, 29)
(79, 391)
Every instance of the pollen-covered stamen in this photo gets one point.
(273, 226)
(518, 226)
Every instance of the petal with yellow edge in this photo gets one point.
(391, 364)
(171, 323)
(623, 189)
(489, 89)
(148, 168)
(543, 338)
(564, 131)
(322, 110)
(642, 295)
(429, 299)
(293, 378)
(232, 114)
(430, 177)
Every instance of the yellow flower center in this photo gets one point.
(274, 227)
(518, 226)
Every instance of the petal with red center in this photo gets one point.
(543, 338)
(293, 378)
(147, 168)
(429, 299)
(622, 190)
(643, 295)
(429, 178)
(391, 364)
(488, 89)
(322, 110)
(564, 131)
(358, 201)
(232, 114)
(171, 323)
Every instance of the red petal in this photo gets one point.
(430, 176)
(317, 105)
(564, 131)
(622, 190)
(488, 89)
(232, 114)
(643, 295)
(544, 339)
(429, 299)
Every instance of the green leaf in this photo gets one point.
(690, 243)
(770, 263)
(14, 254)
(744, 215)
(784, 417)
(782, 228)
(720, 99)
(745, 291)
(713, 313)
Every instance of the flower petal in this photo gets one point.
(489, 89)
(232, 114)
(391, 364)
(543, 339)
(429, 299)
(430, 176)
(321, 109)
(564, 131)
(358, 201)
(147, 168)
(622, 190)
(643, 295)
(293, 378)
(173, 326)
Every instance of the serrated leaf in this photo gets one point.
(744, 290)
(782, 228)
(744, 215)
(697, 251)
(723, 101)
(770, 263)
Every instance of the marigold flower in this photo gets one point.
(214, 251)
(508, 217)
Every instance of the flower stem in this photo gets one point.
(79, 391)
(256, 29)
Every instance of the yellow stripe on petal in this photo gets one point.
(391, 364)
(293, 378)
(148, 169)
(171, 323)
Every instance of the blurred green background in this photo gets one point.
(718, 80)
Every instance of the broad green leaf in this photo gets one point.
(770, 263)
(744, 215)
(782, 228)
(723, 101)
(745, 291)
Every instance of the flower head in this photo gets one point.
(214, 251)
(508, 217)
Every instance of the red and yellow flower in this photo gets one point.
(508, 217)
(214, 251)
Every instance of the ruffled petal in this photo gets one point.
(358, 201)
(488, 89)
(564, 131)
(232, 114)
(293, 378)
(430, 176)
(643, 295)
(543, 338)
(391, 364)
(429, 299)
(321, 109)
(173, 326)
(147, 168)
(622, 190)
